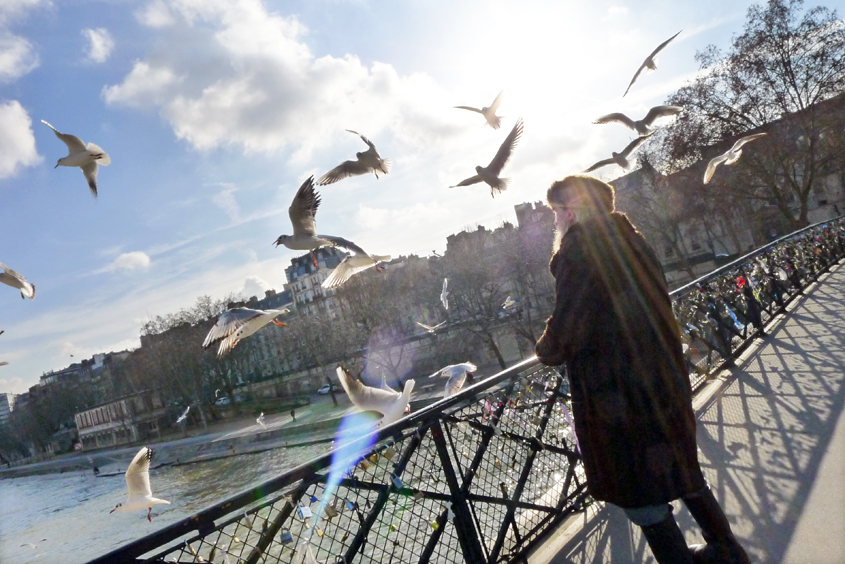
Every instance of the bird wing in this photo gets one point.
(343, 170)
(661, 111)
(468, 181)
(504, 153)
(344, 243)
(343, 272)
(468, 108)
(365, 397)
(454, 384)
(600, 164)
(229, 322)
(633, 80)
(364, 139)
(138, 474)
(632, 146)
(617, 117)
(74, 143)
(424, 326)
(711, 166)
(303, 209)
(444, 294)
(495, 105)
(90, 172)
(662, 45)
(743, 140)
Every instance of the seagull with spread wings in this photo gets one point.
(368, 161)
(14, 279)
(391, 404)
(431, 328)
(239, 323)
(489, 113)
(620, 158)
(643, 126)
(139, 493)
(491, 173)
(456, 374)
(730, 156)
(87, 157)
(358, 261)
(302, 213)
(650, 62)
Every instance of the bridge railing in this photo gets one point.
(480, 476)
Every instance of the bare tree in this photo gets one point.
(785, 74)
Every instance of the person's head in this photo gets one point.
(576, 198)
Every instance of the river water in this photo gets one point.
(71, 510)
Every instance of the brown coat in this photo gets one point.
(613, 326)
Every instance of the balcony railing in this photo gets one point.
(483, 475)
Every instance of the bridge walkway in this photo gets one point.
(771, 437)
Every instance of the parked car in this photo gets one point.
(324, 390)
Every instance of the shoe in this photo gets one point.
(667, 543)
(722, 546)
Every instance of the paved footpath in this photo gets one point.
(771, 437)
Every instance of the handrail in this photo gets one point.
(483, 475)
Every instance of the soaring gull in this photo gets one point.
(368, 161)
(643, 126)
(457, 374)
(358, 261)
(239, 323)
(302, 213)
(620, 158)
(650, 62)
(86, 157)
(730, 156)
(489, 113)
(139, 493)
(391, 404)
(14, 279)
(491, 173)
(431, 328)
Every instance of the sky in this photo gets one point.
(214, 112)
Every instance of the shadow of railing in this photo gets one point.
(483, 475)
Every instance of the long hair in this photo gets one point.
(583, 195)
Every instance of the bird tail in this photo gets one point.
(495, 122)
(386, 164)
(500, 186)
(104, 159)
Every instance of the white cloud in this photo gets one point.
(100, 44)
(17, 56)
(254, 286)
(225, 200)
(259, 86)
(371, 218)
(13, 385)
(136, 260)
(617, 11)
(155, 14)
(13, 8)
(17, 144)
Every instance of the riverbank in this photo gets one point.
(315, 423)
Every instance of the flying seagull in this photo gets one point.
(368, 161)
(643, 126)
(392, 405)
(139, 493)
(239, 323)
(490, 175)
(353, 264)
(489, 113)
(260, 420)
(620, 158)
(17, 280)
(444, 294)
(302, 213)
(184, 415)
(509, 303)
(431, 328)
(457, 374)
(650, 62)
(730, 156)
(86, 157)
(3, 363)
